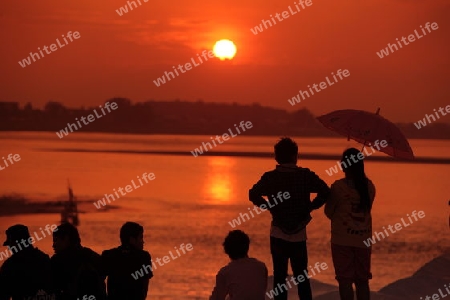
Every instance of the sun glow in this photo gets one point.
(224, 49)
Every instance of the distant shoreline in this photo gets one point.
(18, 205)
(302, 156)
(184, 117)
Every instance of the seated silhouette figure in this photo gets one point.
(27, 273)
(120, 263)
(76, 269)
(244, 277)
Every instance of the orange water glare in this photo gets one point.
(219, 186)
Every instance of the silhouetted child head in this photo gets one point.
(132, 234)
(66, 236)
(286, 151)
(236, 244)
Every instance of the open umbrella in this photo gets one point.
(366, 128)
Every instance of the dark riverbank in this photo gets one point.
(302, 156)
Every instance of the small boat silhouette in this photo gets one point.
(69, 214)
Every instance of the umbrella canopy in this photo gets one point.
(366, 128)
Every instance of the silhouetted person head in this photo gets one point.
(286, 151)
(355, 172)
(350, 167)
(16, 234)
(236, 244)
(66, 236)
(132, 235)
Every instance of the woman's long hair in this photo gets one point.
(357, 174)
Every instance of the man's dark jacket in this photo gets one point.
(128, 271)
(77, 272)
(25, 275)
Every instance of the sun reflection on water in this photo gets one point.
(219, 184)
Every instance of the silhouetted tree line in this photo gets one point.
(181, 117)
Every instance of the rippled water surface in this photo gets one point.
(193, 199)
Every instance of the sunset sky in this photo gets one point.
(120, 56)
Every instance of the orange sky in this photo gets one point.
(122, 55)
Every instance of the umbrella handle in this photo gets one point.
(362, 149)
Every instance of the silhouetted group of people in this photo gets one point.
(348, 205)
(76, 272)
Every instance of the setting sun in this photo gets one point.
(224, 49)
